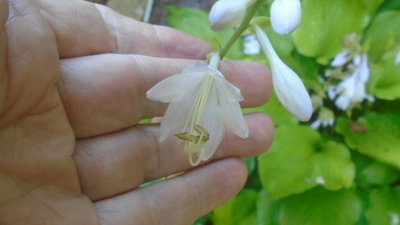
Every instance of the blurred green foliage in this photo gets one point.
(344, 175)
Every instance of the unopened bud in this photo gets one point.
(227, 14)
(285, 15)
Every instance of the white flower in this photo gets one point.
(227, 14)
(288, 86)
(331, 92)
(326, 118)
(397, 59)
(251, 45)
(201, 105)
(352, 89)
(340, 59)
(285, 15)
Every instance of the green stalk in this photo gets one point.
(243, 26)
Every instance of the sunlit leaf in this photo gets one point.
(377, 173)
(375, 135)
(241, 210)
(300, 159)
(383, 34)
(321, 207)
(385, 79)
(384, 207)
(267, 210)
(326, 22)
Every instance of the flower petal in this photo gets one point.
(343, 102)
(230, 109)
(212, 122)
(174, 85)
(177, 113)
(232, 91)
(364, 71)
(341, 58)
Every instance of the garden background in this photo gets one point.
(344, 173)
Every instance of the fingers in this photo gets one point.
(189, 196)
(3, 52)
(107, 93)
(115, 163)
(84, 28)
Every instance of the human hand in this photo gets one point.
(72, 91)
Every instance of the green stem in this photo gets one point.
(243, 26)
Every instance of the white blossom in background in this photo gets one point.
(397, 59)
(320, 180)
(341, 59)
(285, 15)
(326, 118)
(331, 92)
(352, 90)
(251, 45)
(288, 86)
(202, 103)
(226, 14)
(394, 218)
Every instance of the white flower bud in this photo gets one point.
(285, 15)
(227, 14)
(288, 86)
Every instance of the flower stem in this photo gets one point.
(243, 26)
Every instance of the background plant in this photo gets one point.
(344, 171)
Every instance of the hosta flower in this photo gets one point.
(340, 59)
(201, 105)
(326, 118)
(397, 59)
(227, 14)
(251, 45)
(285, 15)
(352, 89)
(288, 86)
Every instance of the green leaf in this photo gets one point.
(385, 79)
(267, 210)
(321, 207)
(195, 22)
(375, 135)
(300, 159)
(377, 173)
(383, 34)
(389, 5)
(204, 220)
(275, 110)
(384, 207)
(241, 210)
(326, 22)
(250, 164)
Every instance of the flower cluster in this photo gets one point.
(345, 83)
